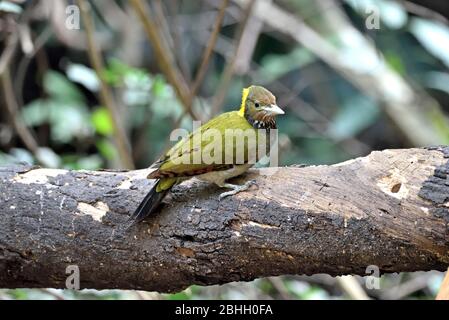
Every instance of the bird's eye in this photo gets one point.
(257, 105)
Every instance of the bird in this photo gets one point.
(256, 117)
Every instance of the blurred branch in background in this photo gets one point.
(229, 70)
(13, 110)
(11, 105)
(316, 120)
(209, 50)
(163, 55)
(8, 52)
(56, 11)
(23, 65)
(120, 137)
(289, 98)
(247, 44)
(424, 12)
(352, 287)
(409, 286)
(411, 111)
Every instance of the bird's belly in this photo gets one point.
(219, 177)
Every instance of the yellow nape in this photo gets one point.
(242, 106)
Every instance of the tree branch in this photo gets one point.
(12, 107)
(208, 50)
(389, 209)
(106, 97)
(163, 56)
(228, 72)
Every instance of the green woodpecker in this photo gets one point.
(186, 159)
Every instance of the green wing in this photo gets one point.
(204, 149)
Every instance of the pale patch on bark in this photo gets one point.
(39, 176)
(138, 175)
(259, 225)
(97, 212)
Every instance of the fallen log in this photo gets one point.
(389, 209)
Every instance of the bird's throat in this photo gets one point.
(260, 121)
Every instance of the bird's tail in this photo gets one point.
(152, 200)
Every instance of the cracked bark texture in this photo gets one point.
(389, 209)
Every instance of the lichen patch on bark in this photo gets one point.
(38, 176)
(97, 211)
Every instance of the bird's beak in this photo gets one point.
(274, 110)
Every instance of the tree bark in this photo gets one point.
(389, 209)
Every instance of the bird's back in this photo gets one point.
(204, 149)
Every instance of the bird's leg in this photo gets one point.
(220, 177)
(235, 188)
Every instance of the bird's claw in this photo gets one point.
(226, 194)
(236, 189)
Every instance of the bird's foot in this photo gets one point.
(236, 188)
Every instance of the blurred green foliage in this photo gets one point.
(326, 116)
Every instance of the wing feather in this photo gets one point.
(179, 160)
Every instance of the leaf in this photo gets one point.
(392, 13)
(48, 157)
(298, 288)
(22, 155)
(115, 72)
(159, 87)
(107, 149)
(134, 97)
(395, 61)
(83, 75)
(59, 87)
(69, 120)
(179, 296)
(135, 82)
(9, 7)
(92, 162)
(69, 161)
(6, 159)
(36, 112)
(102, 121)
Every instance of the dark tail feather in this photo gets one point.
(149, 204)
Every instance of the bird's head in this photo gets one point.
(259, 105)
